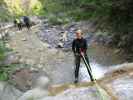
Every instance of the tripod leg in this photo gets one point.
(87, 61)
(88, 68)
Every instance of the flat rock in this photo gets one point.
(9, 92)
(24, 39)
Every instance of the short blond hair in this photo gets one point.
(79, 31)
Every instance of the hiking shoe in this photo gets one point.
(93, 80)
(76, 81)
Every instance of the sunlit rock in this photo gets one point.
(42, 82)
(34, 94)
(60, 45)
(39, 92)
(24, 39)
(12, 59)
(8, 92)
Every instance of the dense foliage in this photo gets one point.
(115, 16)
(16, 8)
(3, 68)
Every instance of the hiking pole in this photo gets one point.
(88, 68)
(100, 90)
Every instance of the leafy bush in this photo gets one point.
(3, 72)
(115, 16)
(57, 19)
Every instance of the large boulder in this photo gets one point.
(8, 92)
(39, 91)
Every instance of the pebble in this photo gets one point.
(43, 82)
(24, 39)
(34, 94)
(60, 45)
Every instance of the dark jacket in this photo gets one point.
(79, 45)
(26, 19)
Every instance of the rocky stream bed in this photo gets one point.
(47, 68)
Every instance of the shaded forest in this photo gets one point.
(113, 16)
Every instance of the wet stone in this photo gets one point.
(24, 39)
(12, 59)
(25, 78)
(9, 92)
(123, 88)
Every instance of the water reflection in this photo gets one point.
(98, 71)
(102, 60)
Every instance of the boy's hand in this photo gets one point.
(76, 54)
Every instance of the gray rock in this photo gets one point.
(77, 94)
(8, 92)
(39, 91)
(24, 39)
(43, 82)
(12, 59)
(60, 45)
(34, 94)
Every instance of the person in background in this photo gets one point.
(18, 23)
(27, 22)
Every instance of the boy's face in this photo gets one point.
(78, 35)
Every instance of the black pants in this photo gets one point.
(27, 25)
(77, 62)
(19, 26)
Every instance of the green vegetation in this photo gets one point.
(114, 16)
(16, 8)
(7, 70)
(3, 68)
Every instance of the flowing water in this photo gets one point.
(102, 60)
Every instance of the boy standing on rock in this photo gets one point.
(79, 47)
